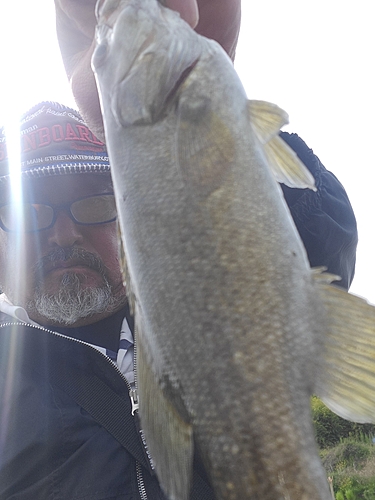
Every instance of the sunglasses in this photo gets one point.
(32, 217)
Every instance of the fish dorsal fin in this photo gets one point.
(346, 377)
(169, 436)
(266, 120)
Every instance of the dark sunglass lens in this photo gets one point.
(95, 209)
(42, 216)
(26, 217)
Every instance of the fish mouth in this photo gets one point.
(105, 8)
(98, 8)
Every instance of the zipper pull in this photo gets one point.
(134, 400)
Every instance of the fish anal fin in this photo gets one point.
(346, 376)
(266, 120)
(168, 435)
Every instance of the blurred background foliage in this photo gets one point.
(347, 451)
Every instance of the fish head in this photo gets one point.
(139, 62)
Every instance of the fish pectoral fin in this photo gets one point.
(168, 435)
(266, 120)
(206, 146)
(346, 375)
(286, 166)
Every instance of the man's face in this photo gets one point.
(66, 260)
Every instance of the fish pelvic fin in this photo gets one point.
(266, 120)
(169, 436)
(346, 375)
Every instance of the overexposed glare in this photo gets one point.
(12, 132)
(314, 59)
(32, 70)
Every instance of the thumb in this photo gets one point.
(188, 10)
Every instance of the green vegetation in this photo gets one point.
(347, 453)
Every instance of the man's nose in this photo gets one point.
(65, 232)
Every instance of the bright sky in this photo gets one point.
(314, 59)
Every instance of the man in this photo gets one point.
(66, 343)
(60, 269)
(60, 272)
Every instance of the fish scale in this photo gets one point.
(234, 330)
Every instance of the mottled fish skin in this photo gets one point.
(230, 324)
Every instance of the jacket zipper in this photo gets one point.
(132, 392)
(140, 481)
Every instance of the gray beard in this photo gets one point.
(72, 302)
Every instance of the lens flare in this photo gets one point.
(16, 253)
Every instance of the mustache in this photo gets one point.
(61, 254)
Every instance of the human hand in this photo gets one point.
(75, 23)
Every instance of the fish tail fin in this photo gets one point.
(346, 377)
(266, 120)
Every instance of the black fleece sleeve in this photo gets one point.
(325, 218)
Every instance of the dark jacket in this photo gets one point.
(52, 448)
(324, 219)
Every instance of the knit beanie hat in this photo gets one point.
(55, 141)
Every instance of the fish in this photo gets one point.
(234, 331)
